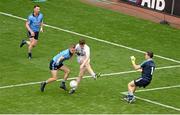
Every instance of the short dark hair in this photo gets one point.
(82, 42)
(150, 54)
(72, 46)
(36, 6)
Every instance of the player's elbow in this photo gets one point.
(136, 67)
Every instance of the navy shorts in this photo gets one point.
(142, 82)
(36, 35)
(53, 66)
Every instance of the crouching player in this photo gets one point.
(83, 58)
(57, 64)
(147, 68)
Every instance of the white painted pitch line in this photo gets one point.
(32, 83)
(10, 15)
(154, 89)
(93, 38)
(157, 103)
(154, 102)
(158, 88)
(109, 74)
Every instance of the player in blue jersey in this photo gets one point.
(34, 24)
(57, 64)
(147, 68)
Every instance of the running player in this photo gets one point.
(147, 68)
(56, 64)
(83, 58)
(34, 24)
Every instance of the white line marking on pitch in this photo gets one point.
(154, 102)
(157, 103)
(160, 88)
(109, 74)
(154, 89)
(93, 38)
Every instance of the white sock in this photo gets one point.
(74, 88)
(93, 74)
(130, 93)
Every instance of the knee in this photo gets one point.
(131, 84)
(67, 71)
(54, 78)
(33, 45)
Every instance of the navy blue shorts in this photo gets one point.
(142, 82)
(36, 35)
(53, 66)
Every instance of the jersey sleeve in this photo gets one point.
(66, 54)
(29, 19)
(143, 64)
(41, 18)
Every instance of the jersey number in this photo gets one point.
(152, 70)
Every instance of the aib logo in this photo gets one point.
(154, 4)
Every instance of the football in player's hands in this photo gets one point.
(133, 58)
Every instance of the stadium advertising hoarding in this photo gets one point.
(168, 6)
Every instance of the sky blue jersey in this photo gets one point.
(35, 22)
(66, 54)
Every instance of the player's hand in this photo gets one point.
(133, 59)
(32, 34)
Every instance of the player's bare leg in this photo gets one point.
(131, 89)
(81, 74)
(66, 74)
(51, 79)
(32, 43)
(78, 79)
(90, 70)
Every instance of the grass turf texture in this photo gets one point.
(101, 96)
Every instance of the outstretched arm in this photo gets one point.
(136, 67)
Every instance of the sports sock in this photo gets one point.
(74, 88)
(93, 74)
(29, 54)
(63, 81)
(130, 93)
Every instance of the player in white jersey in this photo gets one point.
(83, 58)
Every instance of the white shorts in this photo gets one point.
(80, 60)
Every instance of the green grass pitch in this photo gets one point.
(100, 96)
